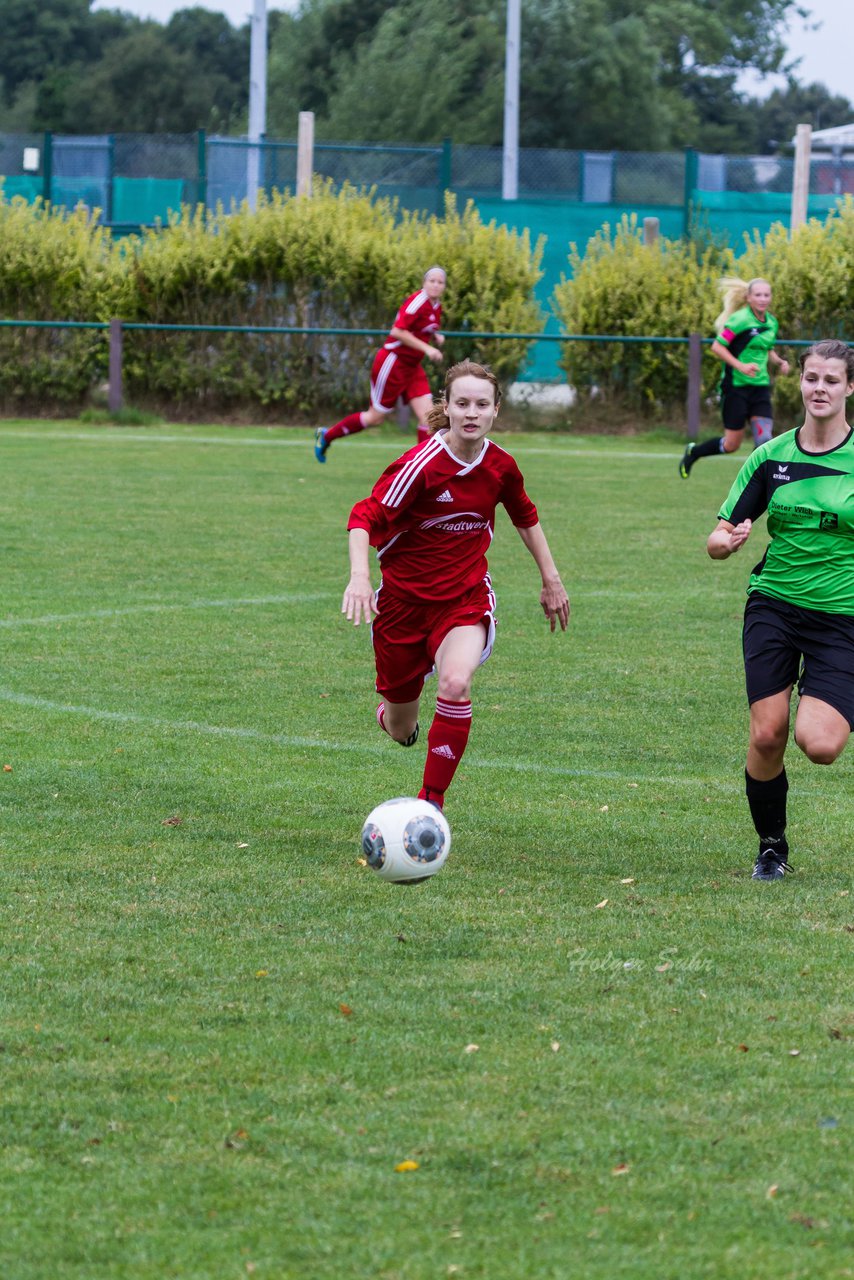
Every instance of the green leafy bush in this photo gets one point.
(623, 287)
(53, 266)
(338, 260)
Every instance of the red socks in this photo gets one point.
(446, 742)
(348, 426)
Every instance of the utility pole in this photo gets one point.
(257, 100)
(801, 182)
(510, 168)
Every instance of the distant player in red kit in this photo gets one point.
(431, 516)
(397, 370)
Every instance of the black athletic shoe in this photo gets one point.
(687, 462)
(413, 737)
(772, 863)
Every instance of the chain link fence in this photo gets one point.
(139, 179)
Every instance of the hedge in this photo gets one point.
(338, 260)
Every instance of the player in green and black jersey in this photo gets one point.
(799, 619)
(746, 333)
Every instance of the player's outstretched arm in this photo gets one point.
(359, 599)
(553, 596)
(726, 538)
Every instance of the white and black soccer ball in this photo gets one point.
(406, 840)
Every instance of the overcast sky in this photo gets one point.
(826, 53)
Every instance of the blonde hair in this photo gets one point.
(735, 293)
(437, 419)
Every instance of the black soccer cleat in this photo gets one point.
(687, 462)
(413, 737)
(773, 862)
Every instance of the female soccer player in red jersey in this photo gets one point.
(430, 516)
(397, 370)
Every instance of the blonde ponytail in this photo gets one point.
(735, 294)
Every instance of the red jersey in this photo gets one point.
(431, 517)
(420, 317)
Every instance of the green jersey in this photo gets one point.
(809, 498)
(749, 340)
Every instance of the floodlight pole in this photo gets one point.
(257, 99)
(510, 167)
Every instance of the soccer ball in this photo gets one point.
(406, 840)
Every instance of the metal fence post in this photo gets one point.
(692, 166)
(445, 173)
(47, 167)
(695, 383)
(114, 395)
(202, 169)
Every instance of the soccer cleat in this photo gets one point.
(436, 798)
(320, 445)
(773, 862)
(687, 462)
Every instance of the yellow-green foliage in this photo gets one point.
(52, 266)
(339, 260)
(622, 286)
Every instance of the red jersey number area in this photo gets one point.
(431, 517)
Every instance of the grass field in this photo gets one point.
(607, 1051)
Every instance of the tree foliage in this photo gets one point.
(595, 74)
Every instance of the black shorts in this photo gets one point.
(740, 404)
(786, 645)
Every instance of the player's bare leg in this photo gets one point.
(399, 720)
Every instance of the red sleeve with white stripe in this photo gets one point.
(373, 513)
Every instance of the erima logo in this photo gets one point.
(444, 750)
(780, 473)
(445, 497)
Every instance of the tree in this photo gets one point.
(780, 114)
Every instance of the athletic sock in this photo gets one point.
(446, 742)
(708, 449)
(767, 802)
(348, 426)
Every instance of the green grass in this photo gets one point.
(183, 1095)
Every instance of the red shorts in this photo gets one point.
(406, 636)
(392, 377)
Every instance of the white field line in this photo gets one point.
(103, 438)
(46, 619)
(244, 734)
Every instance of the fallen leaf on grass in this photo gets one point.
(244, 844)
(406, 1166)
(802, 1220)
(555, 1046)
(834, 1033)
(237, 1141)
(345, 1010)
(629, 880)
(174, 821)
(603, 1208)
(772, 1191)
(603, 808)
(361, 862)
(619, 1169)
(794, 1053)
(261, 973)
(603, 903)
(7, 768)
(662, 968)
(471, 1048)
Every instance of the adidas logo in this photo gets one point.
(445, 497)
(444, 750)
